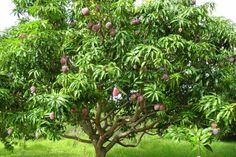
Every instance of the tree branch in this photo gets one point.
(134, 130)
(142, 119)
(112, 143)
(132, 145)
(117, 138)
(76, 138)
(114, 111)
(87, 127)
(97, 119)
(137, 113)
(149, 133)
(120, 121)
(145, 128)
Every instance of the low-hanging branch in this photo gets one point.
(114, 111)
(117, 138)
(132, 145)
(77, 138)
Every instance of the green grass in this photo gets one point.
(150, 147)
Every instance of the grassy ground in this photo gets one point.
(150, 147)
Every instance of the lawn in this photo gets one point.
(150, 147)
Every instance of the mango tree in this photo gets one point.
(115, 69)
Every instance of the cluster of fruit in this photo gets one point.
(9, 131)
(84, 112)
(96, 27)
(215, 129)
(64, 69)
(115, 93)
(137, 96)
(64, 63)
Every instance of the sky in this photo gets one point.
(223, 8)
(7, 19)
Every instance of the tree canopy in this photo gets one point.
(116, 70)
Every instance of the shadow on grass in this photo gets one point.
(45, 148)
(149, 147)
(154, 148)
(165, 148)
(41, 155)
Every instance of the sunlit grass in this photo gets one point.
(150, 147)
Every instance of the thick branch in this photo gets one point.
(87, 127)
(97, 119)
(106, 125)
(123, 120)
(151, 126)
(132, 145)
(136, 113)
(76, 138)
(112, 143)
(142, 119)
(114, 111)
(117, 138)
(119, 122)
(134, 130)
(138, 110)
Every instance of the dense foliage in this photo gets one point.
(115, 69)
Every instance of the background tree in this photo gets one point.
(116, 70)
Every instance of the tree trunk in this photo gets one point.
(100, 152)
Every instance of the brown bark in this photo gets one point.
(104, 130)
(100, 152)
